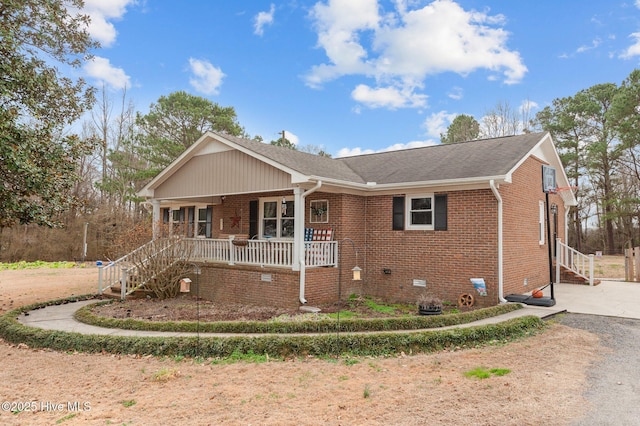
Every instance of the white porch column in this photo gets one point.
(156, 218)
(298, 240)
(298, 235)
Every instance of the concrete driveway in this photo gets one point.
(609, 298)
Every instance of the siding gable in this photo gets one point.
(222, 173)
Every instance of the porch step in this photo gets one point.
(570, 277)
(138, 294)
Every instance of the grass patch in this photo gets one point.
(237, 356)
(166, 374)
(34, 265)
(128, 403)
(484, 373)
(367, 392)
(65, 418)
(383, 309)
(500, 371)
(342, 315)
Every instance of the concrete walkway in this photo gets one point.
(610, 298)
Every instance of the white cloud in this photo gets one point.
(634, 49)
(294, 139)
(207, 78)
(409, 145)
(456, 93)
(350, 152)
(390, 97)
(262, 19)
(438, 122)
(594, 43)
(527, 106)
(402, 48)
(102, 70)
(101, 13)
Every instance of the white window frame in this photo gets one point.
(174, 224)
(278, 218)
(197, 221)
(407, 208)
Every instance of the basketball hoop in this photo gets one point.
(548, 179)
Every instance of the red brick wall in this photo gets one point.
(525, 260)
(243, 284)
(445, 259)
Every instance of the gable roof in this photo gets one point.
(445, 164)
(464, 160)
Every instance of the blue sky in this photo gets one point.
(355, 76)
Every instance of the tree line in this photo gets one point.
(57, 184)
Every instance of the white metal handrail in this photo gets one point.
(571, 259)
(118, 271)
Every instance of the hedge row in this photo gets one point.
(283, 327)
(373, 344)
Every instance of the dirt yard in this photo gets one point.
(545, 384)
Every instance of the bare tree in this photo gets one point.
(500, 121)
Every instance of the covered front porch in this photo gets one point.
(233, 266)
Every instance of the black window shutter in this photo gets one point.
(253, 218)
(398, 213)
(209, 226)
(165, 215)
(440, 213)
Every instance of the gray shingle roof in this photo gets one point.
(302, 162)
(474, 159)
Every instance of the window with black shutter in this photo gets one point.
(420, 212)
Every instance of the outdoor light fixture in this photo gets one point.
(554, 208)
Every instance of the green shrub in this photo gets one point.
(281, 345)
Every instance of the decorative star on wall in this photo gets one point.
(235, 220)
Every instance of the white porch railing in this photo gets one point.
(262, 252)
(570, 258)
(131, 269)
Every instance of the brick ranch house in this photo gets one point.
(274, 226)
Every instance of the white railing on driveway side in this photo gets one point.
(570, 258)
